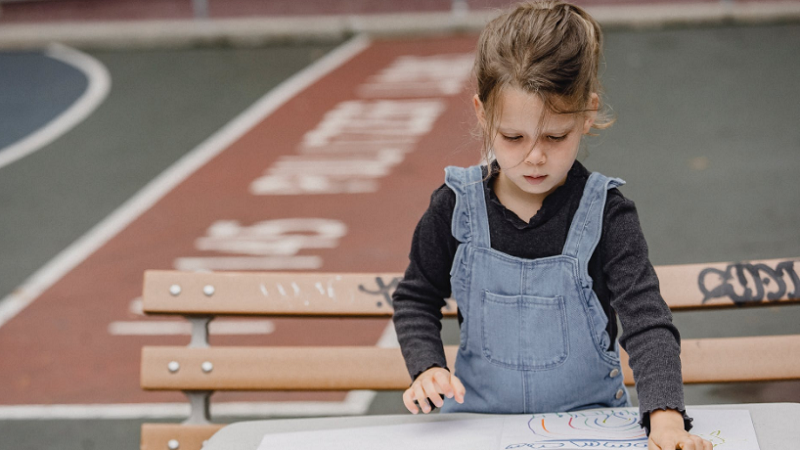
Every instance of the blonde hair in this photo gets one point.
(547, 48)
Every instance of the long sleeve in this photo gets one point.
(419, 297)
(648, 335)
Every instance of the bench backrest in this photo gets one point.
(200, 369)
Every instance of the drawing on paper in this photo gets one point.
(614, 428)
(714, 437)
(596, 429)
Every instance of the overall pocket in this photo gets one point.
(524, 332)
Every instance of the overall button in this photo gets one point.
(620, 393)
(614, 373)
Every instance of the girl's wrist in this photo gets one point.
(666, 418)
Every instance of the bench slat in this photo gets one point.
(720, 285)
(272, 293)
(277, 368)
(156, 436)
(343, 368)
(684, 287)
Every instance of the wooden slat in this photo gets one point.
(272, 293)
(725, 285)
(724, 360)
(740, 359)
(684, 287)
(156, 436)
(277, 368)
(762, 358)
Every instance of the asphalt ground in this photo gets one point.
(706, 137)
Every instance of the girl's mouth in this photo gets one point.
(535, 180)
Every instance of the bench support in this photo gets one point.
(200, 402)
(199, 331)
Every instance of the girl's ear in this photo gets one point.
(591, 113)
(480, 113)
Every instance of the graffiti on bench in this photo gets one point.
(749, 283)
(385, 290)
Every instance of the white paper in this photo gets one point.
(473, 434)
(607, 428)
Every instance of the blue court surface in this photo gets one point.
(34, 89)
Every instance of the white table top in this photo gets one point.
(777, 425)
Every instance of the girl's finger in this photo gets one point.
(698, 442)
(432, 393)
(686, 444)
(408, 400)
(419, 396)
(458, 388)
(669, 444)
(442, 379)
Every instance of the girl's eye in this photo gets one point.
(557, 138)
(512, 138)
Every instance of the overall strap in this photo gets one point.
(587, 224)
(470, 219)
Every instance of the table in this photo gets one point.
(776, 425)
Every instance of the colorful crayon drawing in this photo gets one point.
(614, 428)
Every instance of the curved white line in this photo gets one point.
(356, 403)
(96, 91)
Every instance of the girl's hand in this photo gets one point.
(429, 385)
(667, 433)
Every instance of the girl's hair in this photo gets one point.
(547, 48)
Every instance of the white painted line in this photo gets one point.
(148, 196)
(182, 327)
(389, 338)
(99, 83)
(311, 262)
(355, 403)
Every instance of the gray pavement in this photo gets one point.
(706, 138)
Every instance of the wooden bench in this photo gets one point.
(200, 369)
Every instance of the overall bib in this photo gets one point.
(534, 334)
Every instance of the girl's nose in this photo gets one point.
(535, 157)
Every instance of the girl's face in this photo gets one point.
(534, 162)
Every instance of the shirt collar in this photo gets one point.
(576, 177)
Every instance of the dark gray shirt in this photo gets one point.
(623, 279)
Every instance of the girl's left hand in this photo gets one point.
(667, 433)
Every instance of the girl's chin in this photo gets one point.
(537, 189)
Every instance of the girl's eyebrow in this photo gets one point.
(557, 131)
(551, 132)
(560, 129)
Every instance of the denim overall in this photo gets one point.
(534, 334)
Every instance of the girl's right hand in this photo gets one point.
(429, 385)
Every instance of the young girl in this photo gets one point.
(540, 254)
